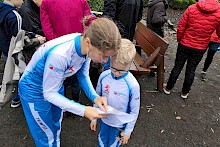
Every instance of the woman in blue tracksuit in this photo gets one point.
(41, 86)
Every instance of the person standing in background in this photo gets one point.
(125, 13)
(61, 17)
(156, 15)
(30, 13)
(214, 46)
(194, 30)
(10, 24)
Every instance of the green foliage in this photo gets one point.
(96, 5)
(179, 4)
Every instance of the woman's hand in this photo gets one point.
(41, 38)
(102, 103)
(91, 113)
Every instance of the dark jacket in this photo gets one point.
(30, 14)
(10, 24)
(126, 13)
(156, 15)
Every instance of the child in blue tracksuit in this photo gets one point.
(41, 85)
(123, 93)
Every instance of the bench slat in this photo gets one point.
(154, 39)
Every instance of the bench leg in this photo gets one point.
(160, 76)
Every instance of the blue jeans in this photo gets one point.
(213, 48)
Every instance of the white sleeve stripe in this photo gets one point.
(19, 19)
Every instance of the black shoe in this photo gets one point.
(15, 104)
(203, 76)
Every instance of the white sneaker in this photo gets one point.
(166, 91)
(184, 96)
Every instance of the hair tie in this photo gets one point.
(89, 21)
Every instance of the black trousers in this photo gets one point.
(192, 57)
(75, 87)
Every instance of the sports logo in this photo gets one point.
(107, 87)
(41, 124)
(55, 69)
(71, 68)
(119, 93)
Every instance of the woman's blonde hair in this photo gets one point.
(126, 53)
(103, 34)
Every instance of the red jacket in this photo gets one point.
(198, 23)
(215, 38)
(61, 17)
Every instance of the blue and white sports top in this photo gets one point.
(123, 94)
(50, 65)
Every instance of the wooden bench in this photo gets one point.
(155, 47)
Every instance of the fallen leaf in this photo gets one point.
(178, 117)
(212, 130)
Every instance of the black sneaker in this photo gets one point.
(15, 104)
(203, 76)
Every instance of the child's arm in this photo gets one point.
(93, 125)
(14, 23)
(134, 110)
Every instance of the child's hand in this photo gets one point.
(41, 39)
(93, 126)
(125, 138)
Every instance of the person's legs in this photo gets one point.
(75, 88)
(16, 98)
(208, 60)
(113, 137)
(195, 57)
(44, 122)
(57, 117)
(180, 60)
(75, 91)
(103, 135)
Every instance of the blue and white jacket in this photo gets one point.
(123, 94)
(50, 65)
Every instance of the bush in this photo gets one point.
(96, 5)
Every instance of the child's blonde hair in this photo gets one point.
(104, 34)
(126, 53)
